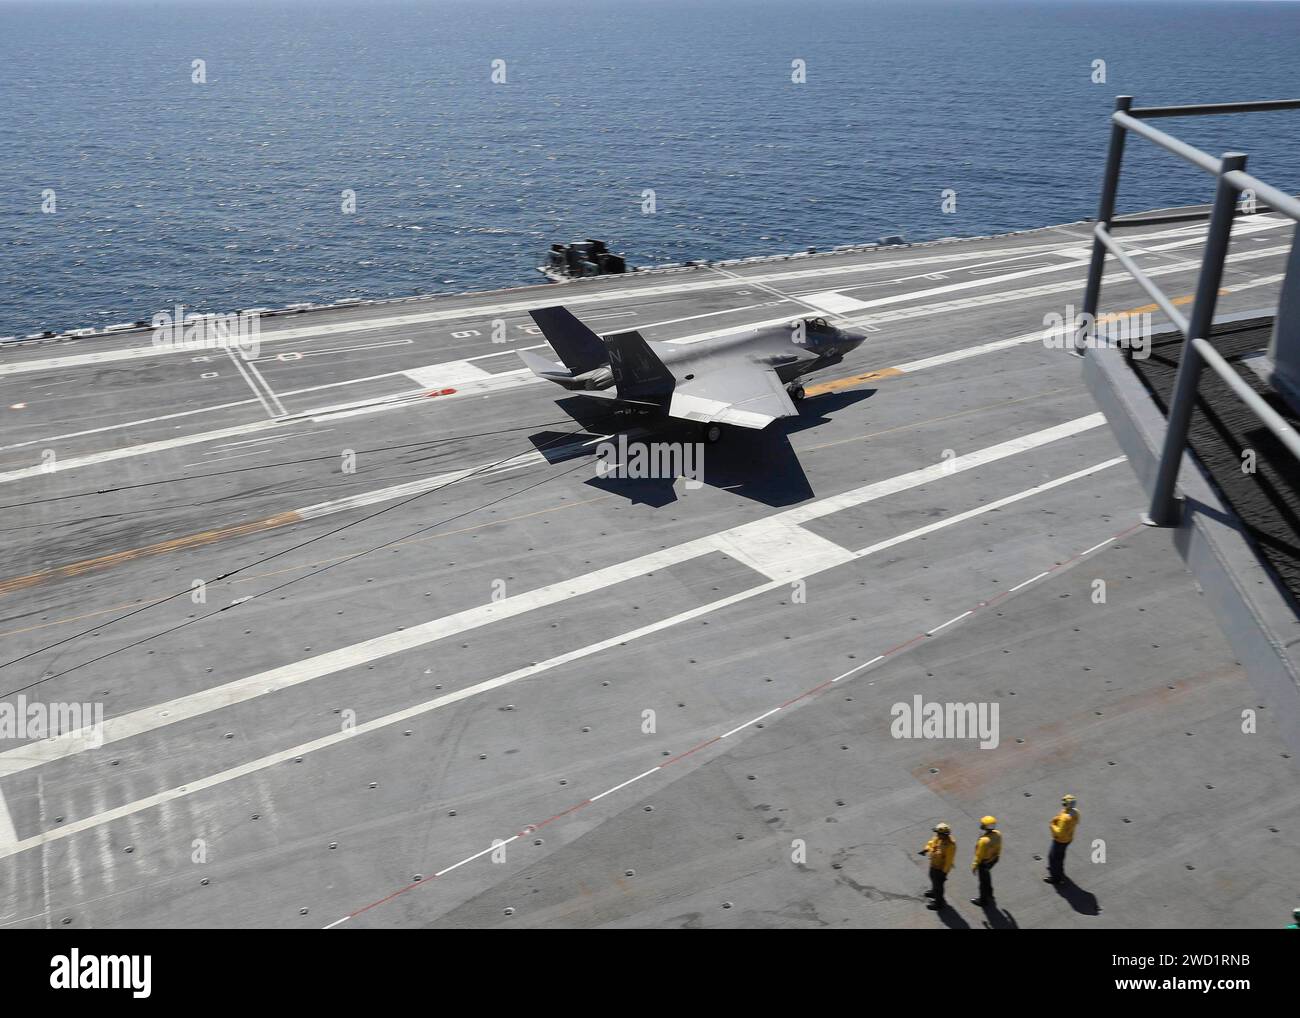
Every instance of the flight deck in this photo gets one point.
(377, 646)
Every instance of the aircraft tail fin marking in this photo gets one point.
(639, 374)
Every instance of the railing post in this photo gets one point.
(1105, 213)
(1284, 344)
(1164, 510)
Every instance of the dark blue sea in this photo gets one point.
(228, 194)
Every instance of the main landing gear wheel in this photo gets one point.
(796, 391)
(711, 433)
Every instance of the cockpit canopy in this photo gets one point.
(820, 328)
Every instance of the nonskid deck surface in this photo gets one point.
(1265, 498)
(472, 682)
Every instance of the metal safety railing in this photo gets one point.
(1197, 352)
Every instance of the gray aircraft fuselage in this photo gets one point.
(789, 351)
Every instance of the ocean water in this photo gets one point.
(229, 193)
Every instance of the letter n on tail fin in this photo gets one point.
(639, 374)
(579, 347)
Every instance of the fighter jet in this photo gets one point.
(748, 379)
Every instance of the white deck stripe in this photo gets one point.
(1008, 296)
(477, 855)
(751, 721)
(8, 836)
(237, 361)
(260, 379)
(972, 351)
(879, 489)
(448, 373)
(945, 625)
(128, 424)
(865, 664)
(144, 449)
(833, 302)
(629, 781)
(366, 498)
(979, 300)
(1032, 579)
(989, 507)
(780, 549)
(971, 284)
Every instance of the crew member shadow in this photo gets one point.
(951, 918)
(759, 465)
(1083, 902)
(999, 918)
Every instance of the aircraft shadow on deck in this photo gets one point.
(758, 465)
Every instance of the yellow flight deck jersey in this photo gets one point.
(1063, 825)
(988, 848)
(941, 852)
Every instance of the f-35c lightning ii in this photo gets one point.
(747, 379)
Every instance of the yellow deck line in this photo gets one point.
(161, 548)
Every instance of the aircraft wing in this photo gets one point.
(745, 394)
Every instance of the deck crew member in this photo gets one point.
(1063, 825)
(988, 849)
(941, 849)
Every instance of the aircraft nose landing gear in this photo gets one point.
(711, 433)
(796, 391)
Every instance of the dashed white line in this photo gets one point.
(945, 625)
(865, 664)
(629, 781)
(752, 721)
(1027, 582)
(477, 855)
